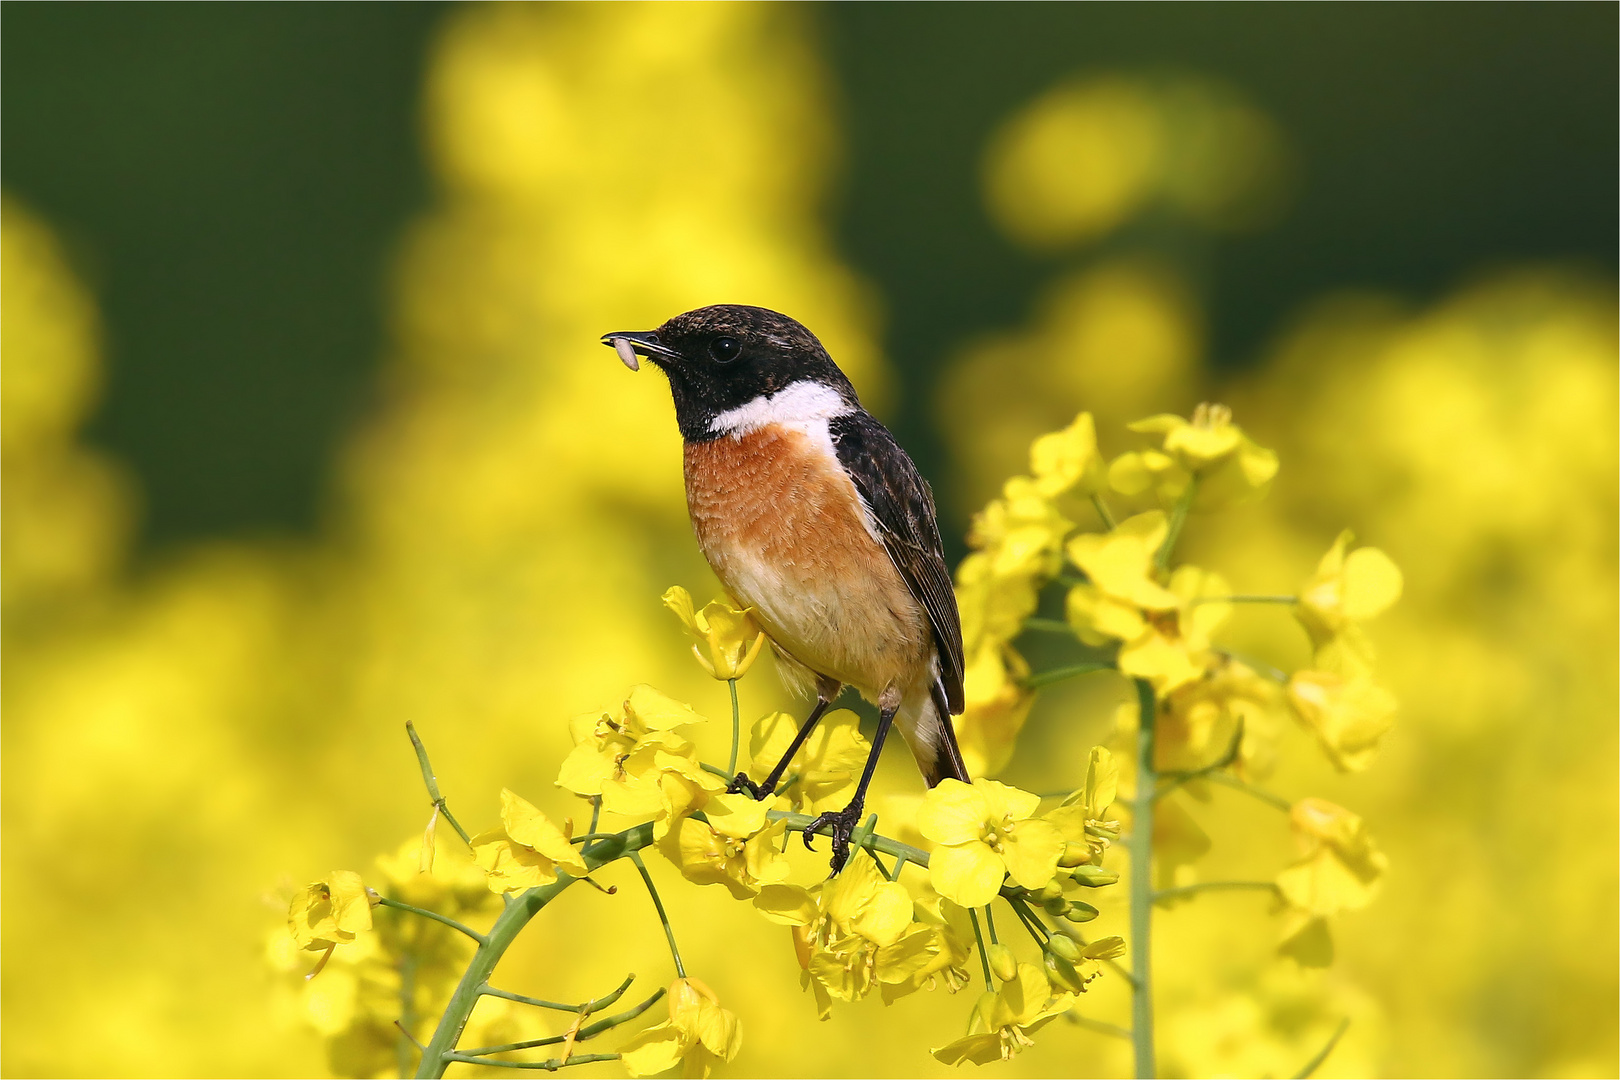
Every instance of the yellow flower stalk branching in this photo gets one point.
(1203, 717)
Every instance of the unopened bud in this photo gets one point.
(1074, 853)
(1080, 911)
(1049, 891)
(1094, 876)
(1056, 906)
(1003, 964)
(1064, 946)
(1061, 974)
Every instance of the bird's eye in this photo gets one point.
(725, 349)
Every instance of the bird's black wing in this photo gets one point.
(903, 507)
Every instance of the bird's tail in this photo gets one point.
(926, 724)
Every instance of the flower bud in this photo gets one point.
(1080, 911)
(1064, 946)
(1094, 876)
(1074, 853)
(1062, 974)
(1003, 964)
(1050, 891)
(1056, 906)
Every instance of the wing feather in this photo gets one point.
(902, 505)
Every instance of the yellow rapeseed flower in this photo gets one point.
(735, 847)
(698, 1034)
(1003, 1021)
(602, 743)
(1341, 866)
(729, 639)
(1067, 460)
(1082, 818)
(985, 831)
(1349, 715)
(329, 912)
(1200, 719)
(1348, 588)
(527, 851)
(856, 931)
(1230, 467)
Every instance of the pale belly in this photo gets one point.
(785, 535)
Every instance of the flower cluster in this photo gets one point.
(1017, 543)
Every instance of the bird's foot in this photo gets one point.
(741, 785)
(843, 824)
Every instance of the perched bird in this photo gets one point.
(811, 514)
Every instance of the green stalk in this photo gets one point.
(1178, 519)
(1140, 846)
(736, 727)
(500, 937)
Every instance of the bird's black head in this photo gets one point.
(722, 358)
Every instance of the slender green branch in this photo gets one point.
(984, 954)
(549, 1065)
(435, 916)
(1178, 520)
(1270, 671)
(1140, 844)
(1048, 626)
(1103, 512)
(407, 1012)
(736, 726)
(658, 903)
(594, 1005)
(1034, 926)
(589, 1032)
(899, 865)
(507, 926)
(1181, 892)
(990, 925)
(1322, 1055)
(596, 813)
(432, 783)
(715, 770)
(1244, 598)
(1238, 784)
(1101, 1026)
(1047, 678)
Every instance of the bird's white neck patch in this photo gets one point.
(806, 405)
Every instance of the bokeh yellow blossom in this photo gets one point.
(330, 912)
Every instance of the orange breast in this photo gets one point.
(783, 528)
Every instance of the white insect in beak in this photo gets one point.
(627, 353)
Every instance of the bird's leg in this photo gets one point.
(843, 821)
(826, 690)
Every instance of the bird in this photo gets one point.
(811, 514)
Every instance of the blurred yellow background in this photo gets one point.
(186, 742)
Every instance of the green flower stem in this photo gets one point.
(1047, 678)
(594, 1005)
(500, 937)
(663, 917)
(1316, 1062)
(549, 1065)
(407, 1013)
(1237, 784)
(1178, 520)
(1048, 626)
(589, 1032)
(984, 955)
(899, 865)
(432, 783)
(1103, 512)
(596, 813)
(800, 822)
(1102, 1027)
(1181, 892)
(736, 727)
(1244, 599)
(990, 925)
(1030, 922)
(1140, 846)
(384, 901)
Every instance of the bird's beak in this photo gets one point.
(628, 343)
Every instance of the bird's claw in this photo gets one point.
(843, 824)
(741, 785)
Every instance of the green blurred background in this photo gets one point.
(234, 181)
(306, 432)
